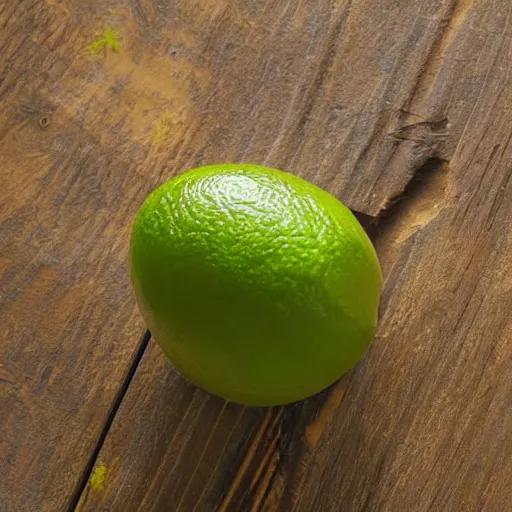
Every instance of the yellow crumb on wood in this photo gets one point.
(97, 480)
(163, 128)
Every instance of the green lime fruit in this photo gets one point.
(259, 286)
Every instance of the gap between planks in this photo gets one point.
(82, 485)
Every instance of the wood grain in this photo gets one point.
(70, 182)
(331, 91)
(83, 139)
(389, 90)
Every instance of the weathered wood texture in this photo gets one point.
(323, 89)
(423, 423)
(84, 137)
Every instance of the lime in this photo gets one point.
(259, 286)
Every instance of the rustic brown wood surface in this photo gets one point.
(402, 108)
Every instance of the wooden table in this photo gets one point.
(401, 108)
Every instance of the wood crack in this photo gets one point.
(82, 485)
(417, 204)
(286, 438)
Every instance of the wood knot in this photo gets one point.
(38, 111)
(44, 121)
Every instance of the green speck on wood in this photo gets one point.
(110, 40)
(98, 477)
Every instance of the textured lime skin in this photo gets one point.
(259, 286)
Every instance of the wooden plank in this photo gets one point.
(69, 185)
(423, 422)
(84, 136)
